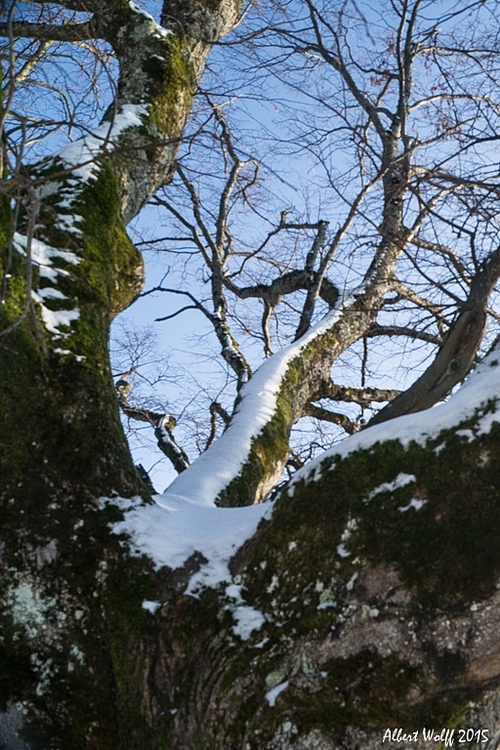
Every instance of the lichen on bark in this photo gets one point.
(77, 649)
(377, 581)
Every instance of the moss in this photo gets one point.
(445, 551)
(351, 694)
(61, 420)
(448, 549)
(270, 449)
(110, 272)
(171, 82)
(371, 692)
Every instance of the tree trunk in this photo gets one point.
(370, 598)
(72, 649)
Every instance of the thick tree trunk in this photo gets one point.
(74, 638)
(372, 596)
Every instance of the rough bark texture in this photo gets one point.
(377, 583)
(72, 633)
(379, 602)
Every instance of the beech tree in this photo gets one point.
(356, 603)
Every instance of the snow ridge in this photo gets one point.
(213, 471)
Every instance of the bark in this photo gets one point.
(72, 648)
(374, 589)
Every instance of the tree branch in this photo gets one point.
(411, 333)
(318, 412)
(68, 32)
(354, 395)
(168, 445)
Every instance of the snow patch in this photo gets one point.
(327, 604)
(351, 526)
(69, 353)
(173, 529)
(400, 481)
(49, 292)
(272, 694)
(44, 257)
(342, 551)
(414, 503)
(81, 156)
(54, 320)
(247, 618)
(158, 30)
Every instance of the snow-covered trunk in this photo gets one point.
(72, 628)
(363, 613)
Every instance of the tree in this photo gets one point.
(366, 599)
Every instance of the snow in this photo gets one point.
(51, 293)
(326, 604)
(414, 503)
(247, 618)
(81, 159)
(44, 256)
(69, 223)
(483, 385)
(158, 30)
(223, 461)
(173, 529)
(400, 481)
(54, 320)
(69, 353)
(81, 156)
(150, 606)
(272, 694)
(342, 551)
(351, 526)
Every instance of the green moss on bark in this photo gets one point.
(270, 449)
(445, 551)
(444, 554)
(172, 83)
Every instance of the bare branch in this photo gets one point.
(411, 333)
(168, 445)
(337, 418)
(216, 410)
(353, 395)
(68, 32)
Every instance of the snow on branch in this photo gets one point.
(177, 527)
(478, 397)
(213, 471)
